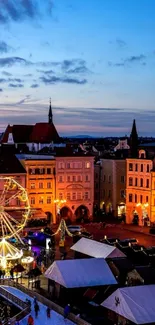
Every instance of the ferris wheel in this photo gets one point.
(14, 208)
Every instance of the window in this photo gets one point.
(68, 165)
(147, 183)
(60, 196)
(41, 200)
(122, 193)
(109, 193)
(79, 195)
(87, 178)
(104, 178)
(141, 182)
(61, 165)
(141, 198)
(109, 179)
(147, 199)
(48, 171)
(73, 196)
(48, 184)
(130, 197)
(141, 168)
(154, 202)
(42, 171)
(96, 175)
(32, 185)
(130, 167)
(130, 181)
(68, 196)
(40, 185)
(122, 179)
(136, 167)
(49, 200)
(60, 179)
(97, 186)
(79, 178)
(135, 198)
(74, 178)
(87, 165)
(68, 178)
(32, 171)
(86, 195)
(32, 200)
(136, 181)
(147, 168)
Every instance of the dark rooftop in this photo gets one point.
(9, 164)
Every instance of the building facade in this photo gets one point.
(113, 177)
(75, 186)
(138, 189)
(41, 185)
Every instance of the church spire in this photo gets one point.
(50, 115)
(134, 141)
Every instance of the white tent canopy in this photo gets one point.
(96, 249)
(136, 304)
(81, 273)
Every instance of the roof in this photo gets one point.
(134, 303)
(147, 273)
(34, 157)
(80, 273)
(44, 133)
(96, 249)
(38, 133)
(9, 164)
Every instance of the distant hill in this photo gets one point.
(81, 137)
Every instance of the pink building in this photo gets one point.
(75, 186)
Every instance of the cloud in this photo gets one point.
(121, 43)
(45, 71)
(17, 11)
(2, 80)
(34, 86)
(7, 73)
(1, 90)
(10, 61)
(74, 66)
(78, 70)
(4, 47)
(54, 80)
(130, 60)
(28, 75)
(16, 85)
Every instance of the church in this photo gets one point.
(34, 137)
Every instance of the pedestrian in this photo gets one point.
(48, 312)
(30, 320)
(35, 301)
(36, 309)
(66, 310)
(16, 322)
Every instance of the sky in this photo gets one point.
(95, 59)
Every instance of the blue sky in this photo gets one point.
(94, 58)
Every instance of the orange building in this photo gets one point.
(138, 189)
(40, 184)
(75, 186)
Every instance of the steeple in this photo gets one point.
(50, 115)
(134, 141)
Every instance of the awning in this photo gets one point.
(96, 249)
(136, 304)
(81, 273)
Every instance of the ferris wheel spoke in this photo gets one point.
(14, 231)
(12, 219)
(2, 227)
(8, 224)
(12, 197)
(5, 189)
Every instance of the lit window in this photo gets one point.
(79, 195)
(32, 200)
(68, 196)
(86, 195)
(48, 184)
(60, 179)
(130, 167)
(32, 171)
(49, 200)
(68, 178)
(32, 185)
(87, 165)
(61, 165)
(60, 196)
(40, 185)
(74, 178)
(79, 178)
(73, 196)
(41, 200)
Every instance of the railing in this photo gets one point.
(9, 296)
(43, 300)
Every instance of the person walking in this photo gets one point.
(36, 309)
(30, 320)
(16, 322)
(48, 312)
(66, 311)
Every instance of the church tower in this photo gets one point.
(134, 141)
(50, 115)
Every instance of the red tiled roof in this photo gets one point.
(44, 133)
(38, 133)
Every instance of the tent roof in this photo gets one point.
(134, 303)
(96, 249)
(81, 273)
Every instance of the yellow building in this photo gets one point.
(139, 193)
(40, 184)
